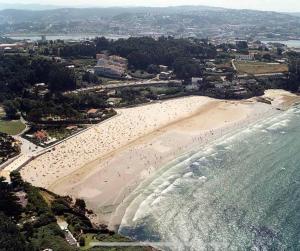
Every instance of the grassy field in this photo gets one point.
(11, 127)
(109, 238)
(253, 68)
(2, 112)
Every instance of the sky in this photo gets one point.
(272, 5)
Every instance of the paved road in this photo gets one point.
(126, 84)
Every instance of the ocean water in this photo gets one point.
(66, 37)
(288, 43)
(242, 192)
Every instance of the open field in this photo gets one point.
(254, 68)
(2, 112)
(11, 127)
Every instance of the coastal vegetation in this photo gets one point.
(31, 219)
(11, 127)
(9, 147)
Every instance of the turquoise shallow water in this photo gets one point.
(240, 193)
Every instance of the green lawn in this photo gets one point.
(11, 127)
(107, 238)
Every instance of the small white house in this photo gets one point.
(245, 57)
(196, 80)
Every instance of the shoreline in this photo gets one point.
(107, 180)
(218, 134)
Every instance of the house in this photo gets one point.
(241, 44)
(58, 59)
(165, 75)
(10, 46)
(109, 71)
(196, 80)
(94, 113)
(72, 128)
(163, 68)
(114, 101)
(101, 56)
(40, 86)
(22, 198)
(245, 57)
(41, 135)
(192, 87)
(111, 93)
(41, 89)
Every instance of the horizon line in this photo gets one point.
(80, 6)
(59, 6)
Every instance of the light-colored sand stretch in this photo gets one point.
(104, 164)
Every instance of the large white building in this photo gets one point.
(111, 66)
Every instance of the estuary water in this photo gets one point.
(242, 192)
(288, 43)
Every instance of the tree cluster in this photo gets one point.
(145, 52)
(18, 73)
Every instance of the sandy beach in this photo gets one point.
(106, 163)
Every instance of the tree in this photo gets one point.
(8, 201)
(186, 68)
(279, 51)
(11, 110)
(80, 204)
(294, 78)
(89, 77)
(60, 206)
(153, 69)
(16, 179)
(81, 242)
(10, 237)
(61, 79)
(267, 57)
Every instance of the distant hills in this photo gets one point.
(297, 14)
(4, 6)
(43, 13)
(183, 20)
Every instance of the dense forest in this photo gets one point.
(18, 73)
(294, 72)
(18, 94)
(145, 52)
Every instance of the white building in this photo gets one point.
(196, 80)
(165, 75)
(111, 66)
(245, 57)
